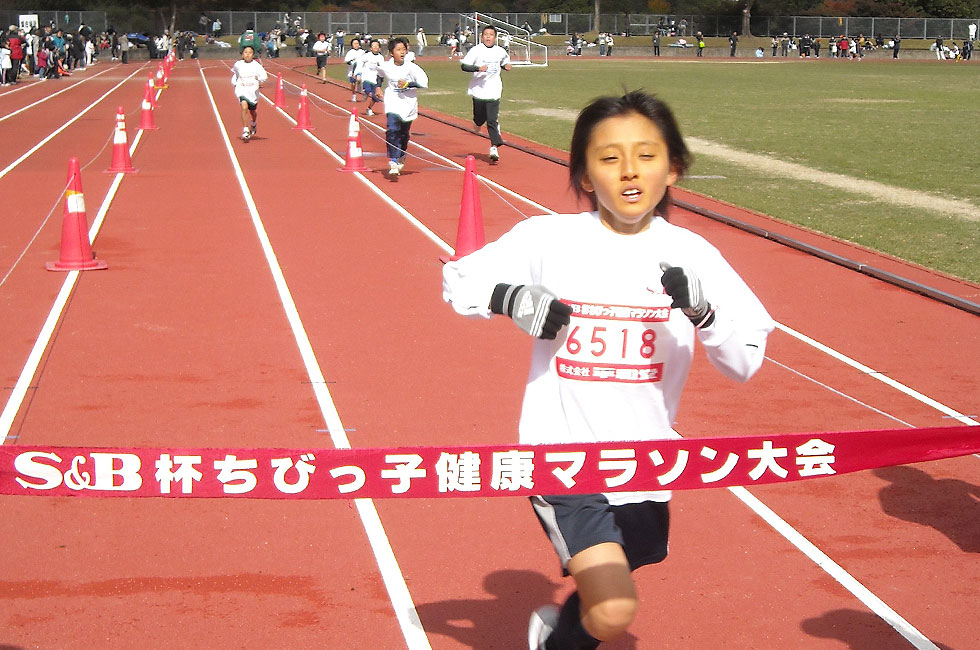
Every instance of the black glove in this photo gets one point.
(533, 308)
(684, 287)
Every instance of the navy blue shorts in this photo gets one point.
(576, 522)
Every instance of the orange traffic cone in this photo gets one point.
(160, 81)
(303, 118)
(151, 90)
(355, 155)
(76, 252)
(280, 96)
(469, 233)
(121, 162)
(146, 118)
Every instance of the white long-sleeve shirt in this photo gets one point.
(246, 78)
(487, 84)
(616, 372)
(367, 66)
(351, 59)
(403, 102)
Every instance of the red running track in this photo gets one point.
(184, 341)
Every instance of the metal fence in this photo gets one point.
(384, 24)
(68, 20)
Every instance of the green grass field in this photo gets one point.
(911, 126)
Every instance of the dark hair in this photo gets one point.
(635, 101)
(395, 41)
(490, 27)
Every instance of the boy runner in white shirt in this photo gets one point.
(352, 58)
(485, 61)
(401, 101)
(246, 75)
(367, 70)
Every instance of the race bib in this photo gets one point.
(612, 343)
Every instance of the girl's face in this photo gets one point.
(628, 167)
(247, 54)
(398, 53)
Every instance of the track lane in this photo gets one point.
(399, 182)
(375, 258)
(183, 342)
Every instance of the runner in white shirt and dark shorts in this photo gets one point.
(485, 61)
(321, 49)
(246, 75)
(616, 299)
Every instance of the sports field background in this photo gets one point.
(911, 125)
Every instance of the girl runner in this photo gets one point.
(612, 355)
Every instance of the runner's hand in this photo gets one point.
(533, 308)
(684, 287)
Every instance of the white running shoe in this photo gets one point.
(394, 168)
(370, 113)
(543, 621)
(401, 163)
(494, 156)
(246, 134)
(353, 98)
(252, 129)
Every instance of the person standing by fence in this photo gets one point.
(421, 41)
(733, 41)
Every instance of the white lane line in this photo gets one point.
(840, 393)
(942, 408)
(865, 595)
(16, 398)
(449, 161)
(377, 191)
(64, 126)
(401, 599)
(52, 95)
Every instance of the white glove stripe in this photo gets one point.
(539, 315)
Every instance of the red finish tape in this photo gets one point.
(461, 471)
